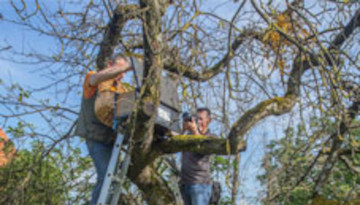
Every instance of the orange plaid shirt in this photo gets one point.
(89, 91)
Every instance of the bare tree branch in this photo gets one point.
(112, 34)
(176, 66)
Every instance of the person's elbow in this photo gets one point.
(94, 80)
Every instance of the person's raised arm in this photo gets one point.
(109, 73)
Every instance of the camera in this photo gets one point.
(187, 117)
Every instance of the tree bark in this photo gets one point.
(141, 127)
(113, 32)
(155, 189)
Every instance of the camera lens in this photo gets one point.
(187, 117)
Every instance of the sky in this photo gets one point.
(28, 76)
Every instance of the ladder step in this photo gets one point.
(116, 179)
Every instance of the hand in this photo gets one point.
(122, 66)
(192, 127)
(129, 65)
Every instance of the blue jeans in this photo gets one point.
(100, 154)
(196, 194)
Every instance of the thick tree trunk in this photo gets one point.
(155, 189)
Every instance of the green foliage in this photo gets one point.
(20, 91)
(225, 200)
(32, 179)
(289, 158)
(18, 130)
(219, 164)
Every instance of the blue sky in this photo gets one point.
(28, 76)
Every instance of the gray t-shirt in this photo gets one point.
(195, 167)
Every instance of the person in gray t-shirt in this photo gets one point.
(195, 169)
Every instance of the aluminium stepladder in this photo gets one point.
(115, 174)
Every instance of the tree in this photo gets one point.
(31, 179)
(293, 164)
(312, 60)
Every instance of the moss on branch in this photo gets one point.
(197, 143)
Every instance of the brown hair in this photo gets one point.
(202, 109)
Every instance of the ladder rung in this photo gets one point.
(116, 179)
(113, 177)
